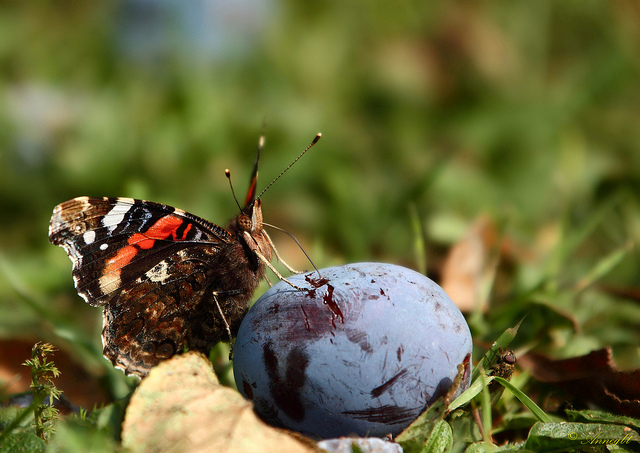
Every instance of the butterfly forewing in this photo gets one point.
(113, 241)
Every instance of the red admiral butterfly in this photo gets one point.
(168, 280)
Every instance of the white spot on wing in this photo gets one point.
(104, 246)
(110, 282)
(184, 255)
(158, 274)
(89, 237)
(117, 213)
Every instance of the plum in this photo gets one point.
(362, 349)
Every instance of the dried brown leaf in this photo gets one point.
(592, 378)
(468, 263)
(181, 407)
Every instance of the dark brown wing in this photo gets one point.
(158, 271)
(185, 302)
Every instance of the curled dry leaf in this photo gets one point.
(182, 407)
(469, 262)
(592, 378)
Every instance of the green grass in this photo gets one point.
(432, 115)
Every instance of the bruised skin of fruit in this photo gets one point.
(362, 349)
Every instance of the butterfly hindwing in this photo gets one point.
(166, 310)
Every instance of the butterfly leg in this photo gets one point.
(275, 271)
(224, 319)
(275, 251)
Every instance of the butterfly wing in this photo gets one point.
(113, 241)
(157, 271)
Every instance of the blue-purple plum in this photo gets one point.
(362, 349)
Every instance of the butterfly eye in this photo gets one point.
(245, 222)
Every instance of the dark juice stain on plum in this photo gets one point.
(316, 282)
(333, 306)
(285, 390)
(306, 319)
(361, 339)
(388, 414)
(248, 391)
(376, 392)
(309, 319)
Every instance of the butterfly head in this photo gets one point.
(250, 219)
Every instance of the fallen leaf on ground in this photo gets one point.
(469, 263)
(592, 378)
(182, 407)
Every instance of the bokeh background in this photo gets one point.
(505, 130)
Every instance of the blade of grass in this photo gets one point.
(572, 238)
(485, 402)
(469, 394)
(524, 399)
(489, 360)
(604, 266)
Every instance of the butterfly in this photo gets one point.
(168, 281)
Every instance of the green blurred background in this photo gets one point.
(432, 114)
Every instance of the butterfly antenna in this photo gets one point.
(315, 140)
(296, 241)
(227, 173)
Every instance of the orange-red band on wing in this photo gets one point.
(162, 229)
(122, 258)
